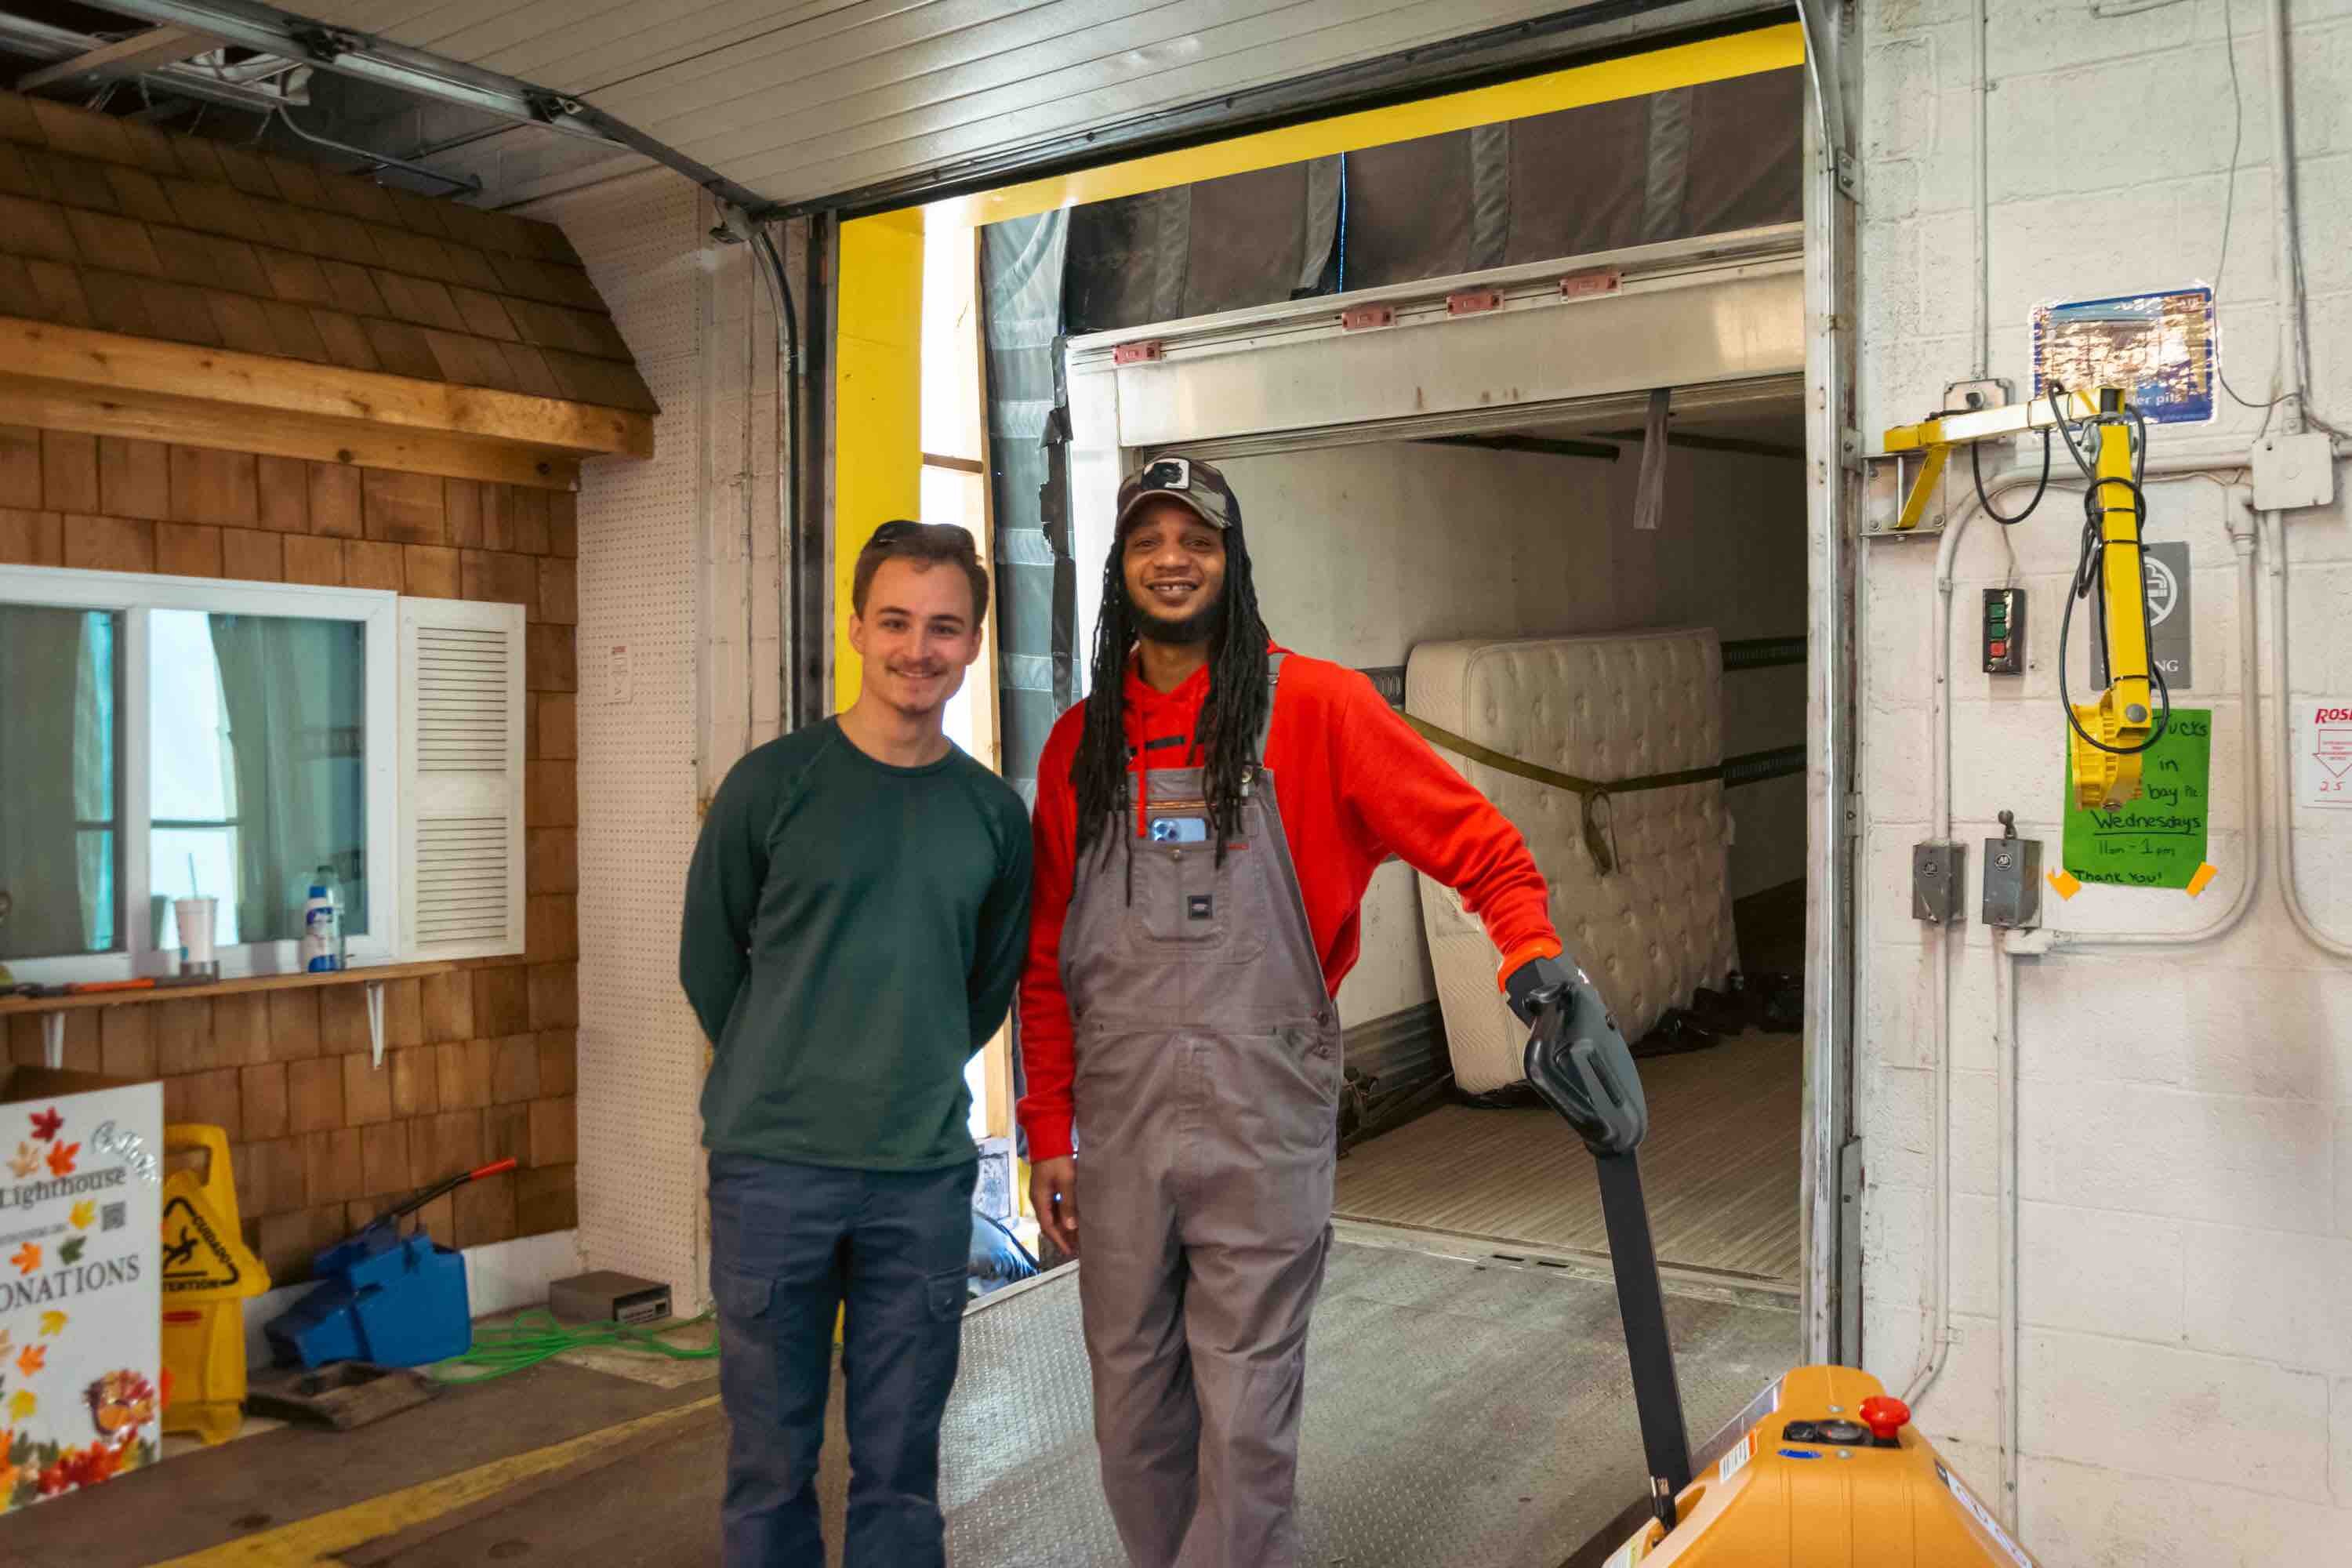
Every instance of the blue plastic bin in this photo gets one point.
(392, 1300)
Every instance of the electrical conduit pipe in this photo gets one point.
(2292, 353)
(2288, 375)
(2280, 838)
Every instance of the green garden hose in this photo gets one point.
(535, 1336)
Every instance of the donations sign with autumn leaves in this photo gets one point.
(79, 1301)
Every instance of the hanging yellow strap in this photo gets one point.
(1592, 790)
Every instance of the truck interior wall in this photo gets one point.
(2183, 1115)
(1362, 552)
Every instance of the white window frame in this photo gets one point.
(129, 593)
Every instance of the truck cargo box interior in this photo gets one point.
(1426, 369)
(1415, 491)
(1380, 555)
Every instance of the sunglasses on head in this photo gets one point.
(895, 533)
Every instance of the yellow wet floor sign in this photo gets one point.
(207, 1275)
(204, 1257)
(201, 1259)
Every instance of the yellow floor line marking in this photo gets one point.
(315, 1540)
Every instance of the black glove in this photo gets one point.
(1532, 978)
(1579, 1065)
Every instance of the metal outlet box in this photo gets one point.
(1936, 882)
(2011, 894)
(2292, 472)
(1976, 396)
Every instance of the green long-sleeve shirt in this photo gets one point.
(852, 933)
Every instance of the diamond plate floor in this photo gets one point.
(1457, 1413)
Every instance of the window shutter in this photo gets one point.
(461, 800)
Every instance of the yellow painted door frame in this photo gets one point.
(877, 410)
(877, 423)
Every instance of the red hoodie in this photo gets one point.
(1354, 783)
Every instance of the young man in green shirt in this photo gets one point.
(854, 920)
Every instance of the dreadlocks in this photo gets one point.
(1231, 716)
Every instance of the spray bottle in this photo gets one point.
(322, 921)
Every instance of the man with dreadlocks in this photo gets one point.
(1206, 825)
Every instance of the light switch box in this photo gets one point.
(2293, 471)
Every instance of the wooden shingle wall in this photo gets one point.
(478, 1064)
(114, 226)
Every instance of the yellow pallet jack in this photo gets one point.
(1823, 1469)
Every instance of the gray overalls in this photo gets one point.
(1206, 1096)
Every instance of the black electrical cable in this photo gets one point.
(2041, 487)
(2054, 392)
(788, 370)
(1975, 468)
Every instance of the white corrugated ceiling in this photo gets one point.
(800, 99)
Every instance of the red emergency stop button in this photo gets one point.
(1884, 1415)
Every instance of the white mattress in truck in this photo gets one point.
(1608, 707)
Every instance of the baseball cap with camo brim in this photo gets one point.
(1200, 485)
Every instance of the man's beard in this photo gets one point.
(1202, 626)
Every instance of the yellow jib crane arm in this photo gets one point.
(2108, 736)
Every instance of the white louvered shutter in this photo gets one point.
(461, 800)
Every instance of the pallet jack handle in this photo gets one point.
(1577, 1062)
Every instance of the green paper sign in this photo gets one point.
(2157, 841)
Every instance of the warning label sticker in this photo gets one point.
(1984, 1517)
(196, 1256)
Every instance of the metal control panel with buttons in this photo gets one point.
(1882, 1419)
(2004, 631)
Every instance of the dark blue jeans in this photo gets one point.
(789, 1244)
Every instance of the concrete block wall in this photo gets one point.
(678, 608)
(2185, 1115)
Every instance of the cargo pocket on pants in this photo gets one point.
(936, 1345)
(739, 1295)
(750, 1365)
(944, 1295)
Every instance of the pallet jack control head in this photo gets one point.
(1577, 1063)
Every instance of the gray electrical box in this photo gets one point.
(2293, 471)
(1936, 882)
(607, 1296)
(2012, 878)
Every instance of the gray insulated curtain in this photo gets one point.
(1021, 265)
(1028, 435)
(1708, 159)
(1194, 251)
